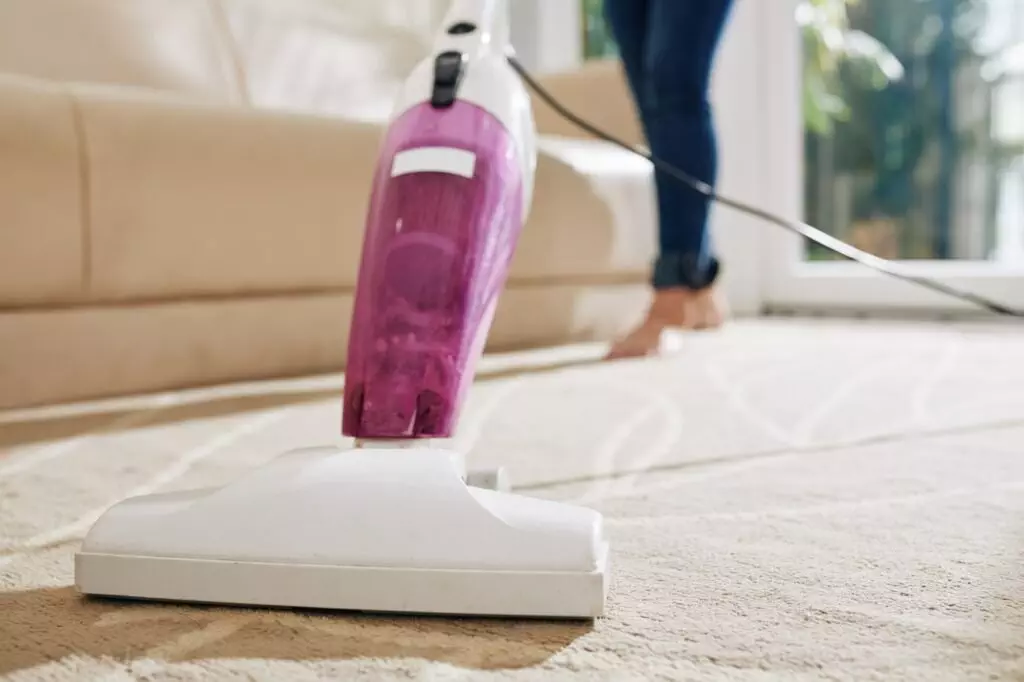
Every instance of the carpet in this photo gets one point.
(786, 500)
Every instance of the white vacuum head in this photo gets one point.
(378, 530)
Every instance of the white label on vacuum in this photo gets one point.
(434, 160)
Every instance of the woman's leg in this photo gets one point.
(677, 110)
(673, 99)
(628, 20)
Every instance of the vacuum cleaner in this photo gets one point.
(395, 524)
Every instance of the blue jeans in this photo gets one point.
(667, 49)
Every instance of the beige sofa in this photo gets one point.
(183, 186)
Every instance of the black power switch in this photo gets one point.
(461, 28)
(449, 67)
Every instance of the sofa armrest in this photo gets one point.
(598, 93)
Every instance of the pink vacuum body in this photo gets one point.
(435, 258)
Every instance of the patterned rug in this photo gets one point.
(786, 501)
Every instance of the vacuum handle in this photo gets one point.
(475, 26)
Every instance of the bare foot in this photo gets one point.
(670, 309)
(709, 310)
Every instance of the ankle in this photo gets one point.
(668, 307)
(682, 308)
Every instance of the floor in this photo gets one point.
(786, 500)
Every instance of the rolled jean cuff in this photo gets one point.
(684, 270)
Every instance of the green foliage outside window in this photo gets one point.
(597, 39)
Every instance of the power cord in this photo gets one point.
(803, 229)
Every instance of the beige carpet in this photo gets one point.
(787, 501)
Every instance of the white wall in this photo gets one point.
(547, 34)
(738, 97)
(762, 137)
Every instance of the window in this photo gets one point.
(916, 168)
(922, 166)
(597, 39)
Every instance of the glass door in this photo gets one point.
(898, 127)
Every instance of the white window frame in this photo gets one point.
(793, 285)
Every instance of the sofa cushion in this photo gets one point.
(576, 90)
(321, 56)
(41, 199)
(170, 45)
(593, 215)
(191, 200)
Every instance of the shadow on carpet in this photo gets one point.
(48, 625)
